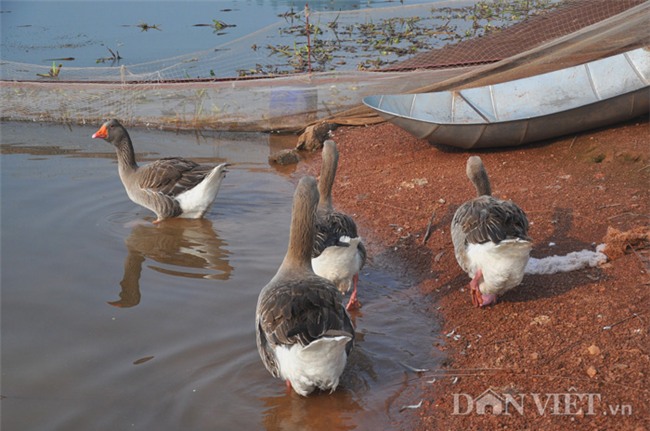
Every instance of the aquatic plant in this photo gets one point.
(375, 44)
(53, 72)
(146, 27)
(114, 58)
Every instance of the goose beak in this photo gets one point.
(101, 133)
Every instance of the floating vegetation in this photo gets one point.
(216, 25)
(321, 47)
(146, 27)
(53, 72)
(114, 58)
(289, 15)
(220, 25)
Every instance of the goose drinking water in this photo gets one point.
(304, 333)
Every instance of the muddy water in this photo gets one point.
(111, 323)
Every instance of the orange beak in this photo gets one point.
(101, 133)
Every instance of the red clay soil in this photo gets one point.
(563, 351)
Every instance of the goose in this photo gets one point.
(339, 253)
(170, 187)
(490, 238)
(303, 332)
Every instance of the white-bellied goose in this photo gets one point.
(338, 253)
(490, 239)
(170, 187)
(304, 334)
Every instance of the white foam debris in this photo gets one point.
(412, 406)
(569, 262)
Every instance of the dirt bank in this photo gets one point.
(569, 349)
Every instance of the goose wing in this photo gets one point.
(489, 219)
(291, 313)
(330, 227)
(172, 176)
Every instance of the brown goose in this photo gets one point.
(338, 253)
(304, 334)
(170, 187)
(490, 239)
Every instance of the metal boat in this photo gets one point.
(540, 107)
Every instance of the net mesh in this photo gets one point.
(510, 41)
(275, 80)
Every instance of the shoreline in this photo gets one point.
(545, 337)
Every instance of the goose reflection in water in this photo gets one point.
(183, 247)
(320, 411)
(342, 409)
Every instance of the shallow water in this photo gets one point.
(109, 322)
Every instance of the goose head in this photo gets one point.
(112, 131)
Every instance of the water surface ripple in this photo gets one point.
(109, 322)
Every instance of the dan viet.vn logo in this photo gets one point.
(567, 403)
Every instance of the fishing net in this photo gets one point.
(314, 66)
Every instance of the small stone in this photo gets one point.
(591, 371)
(542, 319)
(593, 350)
(285, 157)
(313, 137)
(534, 356)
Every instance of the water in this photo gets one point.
(38, 31)
(109, 322)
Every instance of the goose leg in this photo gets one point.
(474, 290)
(480, 299)
(353, 303)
